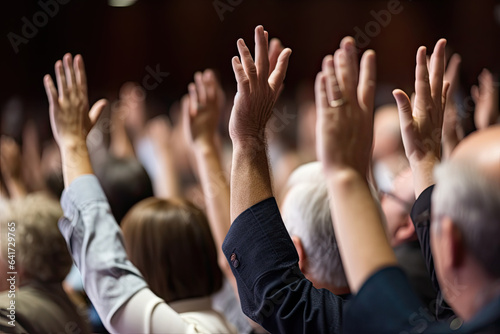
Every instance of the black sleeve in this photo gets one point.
(273, 292)
(421, 217)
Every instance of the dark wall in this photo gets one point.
(118, 44)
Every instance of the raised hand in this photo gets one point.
(421, 125)
(202, 109)
(486, 98)
(451, 133)
(258, 88)
(70, 117)
(344, 105)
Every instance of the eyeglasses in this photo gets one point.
(407, 205)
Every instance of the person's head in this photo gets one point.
(466, 222)
(307, 217)
(125, 182)
(386, 132)
(170, 242)
(40, 249)
(396, 205)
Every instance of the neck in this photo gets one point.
(471, 291)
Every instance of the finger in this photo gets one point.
(333, 92)
(444, 95)
(96, 110)
(437, 72)
(200, 88)
(69, 72)
(404, 109)
(451, 74)
(275, 48)
(261, 54)
(240, 75)
(50, 89)
(61, 80)
(474, 92)
(367, 78)
(247, 61)
(210, 83)
(344, 73)
(320, 92)
(81, 76)
(422, 85)
(193, 98)
(278, 75)
(348, 44)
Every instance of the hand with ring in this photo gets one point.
(344, 102)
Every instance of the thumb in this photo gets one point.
(96, 110)
(404, 107)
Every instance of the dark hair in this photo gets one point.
(170, 242)
(125, 182)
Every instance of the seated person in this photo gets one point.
(396, 205)
(42, 262)
(307, 218)
(170, 242)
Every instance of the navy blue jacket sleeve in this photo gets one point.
(273, 291)
(421, 217)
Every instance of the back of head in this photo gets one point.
(170, 242)
(41, 251)
(306, 213)
(472, 201)
(125, 182)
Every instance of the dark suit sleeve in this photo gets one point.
(421, 217)
(273, 292)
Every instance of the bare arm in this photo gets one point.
(166, 184)
(200, 112)
(345, 131)
(253, 103)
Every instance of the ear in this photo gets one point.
(302, 254)
(454, 244)
(406, 231)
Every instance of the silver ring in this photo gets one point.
(337, 103)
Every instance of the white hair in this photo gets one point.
(472, 202)
(306, 213)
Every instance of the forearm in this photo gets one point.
(357, 221)
(423, 176)
(250, 178)
(215, 190)
(166, 185)
(75, 161)
(16, 188)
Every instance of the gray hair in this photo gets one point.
(472, 202)
(306, 213)
(40, 248)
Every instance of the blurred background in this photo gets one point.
(122, 44)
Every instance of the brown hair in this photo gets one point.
(170, 242)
